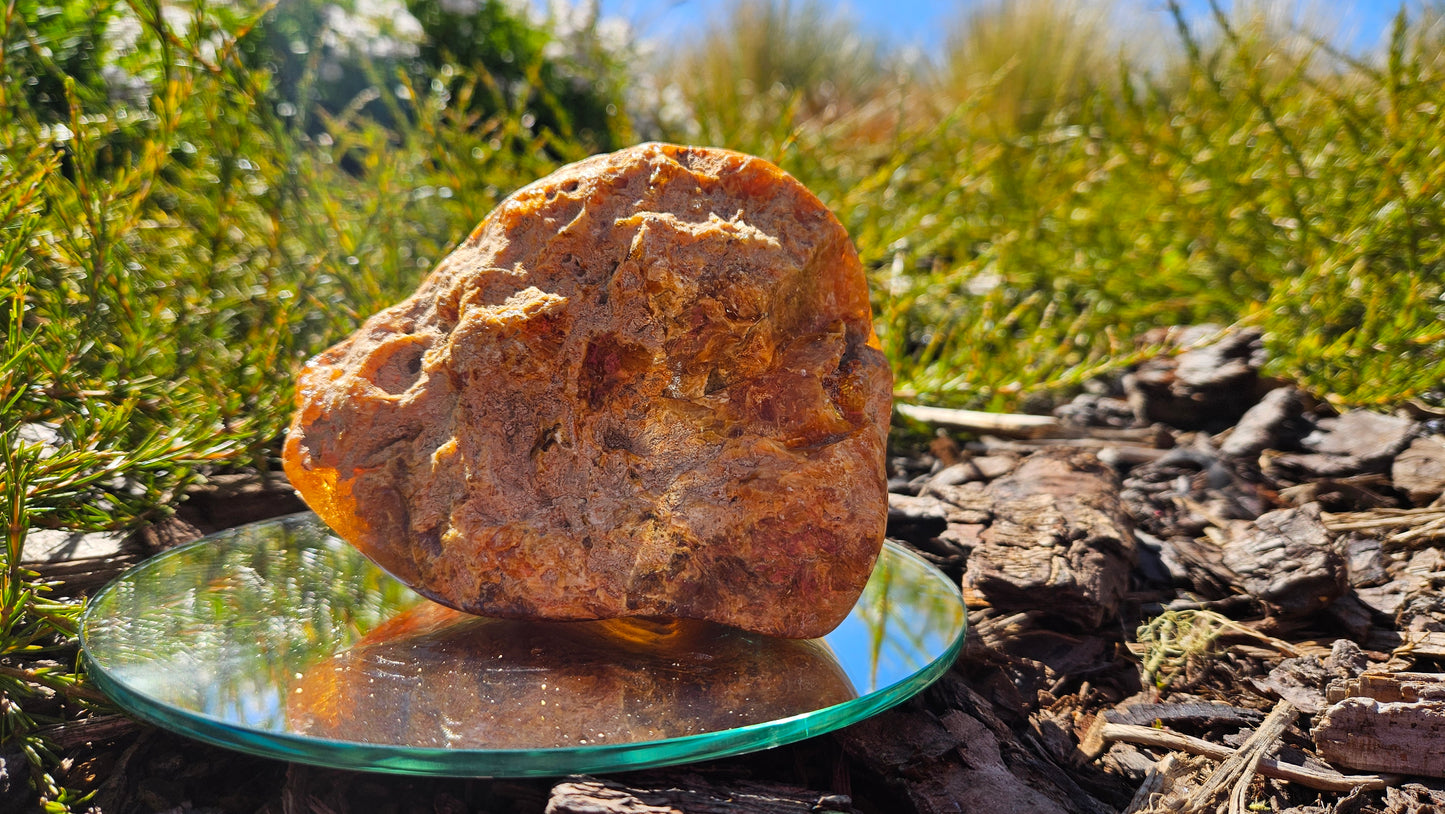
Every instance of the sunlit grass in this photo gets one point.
(1023, 64)
(171, 252)
(1256, 176)
(765, 69)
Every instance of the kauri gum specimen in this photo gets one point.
(646, 385)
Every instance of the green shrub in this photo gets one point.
(1024, 240)
(175, 242)
(1024, 64)
(383, 57)
(761, 71)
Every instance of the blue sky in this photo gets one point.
(1359, 24)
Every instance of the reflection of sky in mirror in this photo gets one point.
(852, 643)
(225, 630)
(899, 625)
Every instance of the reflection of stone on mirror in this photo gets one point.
(435, 677)
(647, 384)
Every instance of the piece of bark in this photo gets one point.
(1058, 540)
(1353, 617)
(969, 470)
(1364, 435)
(1129, 761)
(1365, 561)
(1033, 639)
(1288, 561)
(1092, 411)
(915, 519)
(1346, 659)
(1270, 424)
(1166, 785)
(1200, 561)
(1188, 714)
(1190, 489)
(1157, 564)
(1400, 737)
(1422, 644)
(1413, 798)
(587, 795)
(943, 767)
(1358, 442)
(1419, 471)
(1208, 386)
(1183, 713)
(993, 467)
(945, 751)
(1300, 680)
(96, 729)
(954, 474)
(1345, 494)
(1390, 687)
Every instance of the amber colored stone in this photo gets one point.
(435, 677)
(646, 385)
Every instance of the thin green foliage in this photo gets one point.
(1027, 63)
(765, 72)
(1170, 644)
(1023, 242)
(175, 241)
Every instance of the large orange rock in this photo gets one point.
(646, 385)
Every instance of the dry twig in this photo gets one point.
(1308, 776)
(1238, 770)
(1395, 526)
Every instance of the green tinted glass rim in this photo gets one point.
(543, 762)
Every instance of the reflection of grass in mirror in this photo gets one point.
(907, 620)
(249, 619)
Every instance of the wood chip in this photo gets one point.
(1419, 471)
(1058, 540)
(1370, 735)
(586, 795)
(1289, 561)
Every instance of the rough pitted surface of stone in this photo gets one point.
(646, 385)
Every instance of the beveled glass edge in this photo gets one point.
(550, 762)
(527, 762)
